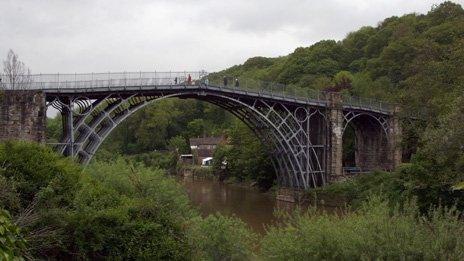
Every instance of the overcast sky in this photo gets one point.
(110, 35)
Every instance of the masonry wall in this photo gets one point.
(371, 145)
(22, 115)
(375, 149)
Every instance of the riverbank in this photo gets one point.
(314, 197)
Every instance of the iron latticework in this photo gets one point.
(284, 128)
(297, 126)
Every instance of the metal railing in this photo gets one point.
(96, 80)
(268, 88)
(140, 79)
(366, 103)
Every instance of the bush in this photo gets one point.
(157, 160)
(36, 171)
(129, 212)
(37, 186)
(222, 238)
(12, 244)
(358, 189)
(373, 232)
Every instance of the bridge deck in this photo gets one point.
(96, 85)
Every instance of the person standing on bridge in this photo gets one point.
(175, 81)
(189, 80)
(206, 81)
(237, 83)
(225, 81)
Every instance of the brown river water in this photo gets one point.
(253, 207)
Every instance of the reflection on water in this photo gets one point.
(251, 206)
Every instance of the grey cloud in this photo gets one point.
(117, 35)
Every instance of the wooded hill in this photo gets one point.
(416, 60)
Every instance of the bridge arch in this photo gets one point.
(279, 126)
(368, 133)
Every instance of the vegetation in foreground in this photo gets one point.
(373, 232)
(121, 210)
(113, 210)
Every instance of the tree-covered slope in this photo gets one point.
(415, 59)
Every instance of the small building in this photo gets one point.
(186, 159)
(206, 162)
(203, 148)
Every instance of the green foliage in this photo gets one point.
(246, 156)
(439, 162)
(9, 196)
(37, 186)
(36, 171)
(179, 145)
(373, 232)
(222, 238)
(197, 128)
(115, 210)
(54, 131)
(343, 76)
(12, 244)
(129, 212)
(357, 190)
(459, 186)
(166, 160)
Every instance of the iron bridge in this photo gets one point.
(300, 128)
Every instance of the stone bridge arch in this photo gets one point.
(371, 139)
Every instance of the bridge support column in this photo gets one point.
(68, 128)
(22, 115)
(335, 117)
(395, 133)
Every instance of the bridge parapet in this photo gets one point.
(118, 80)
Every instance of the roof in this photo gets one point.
(206, 141)
(207, 159)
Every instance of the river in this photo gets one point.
(253, 207)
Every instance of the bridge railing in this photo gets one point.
(367, 103)
(135, 79)
(95, 80)
(268, 88)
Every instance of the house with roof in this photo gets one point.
(203, 149)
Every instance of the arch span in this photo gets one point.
(371, 135)
(289, 131)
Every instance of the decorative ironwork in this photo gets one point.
(292, 123)
(381, 119)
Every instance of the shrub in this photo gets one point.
(129, 212)
(37, 187)
(358, 189)
(37, 171)
(371, 233)
(222, 238)
(12, 245)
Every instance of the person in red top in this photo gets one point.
(189, 79)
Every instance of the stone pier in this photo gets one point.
(22, 115)
(395, 133)
(335, 132)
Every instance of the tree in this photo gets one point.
(17, 75)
